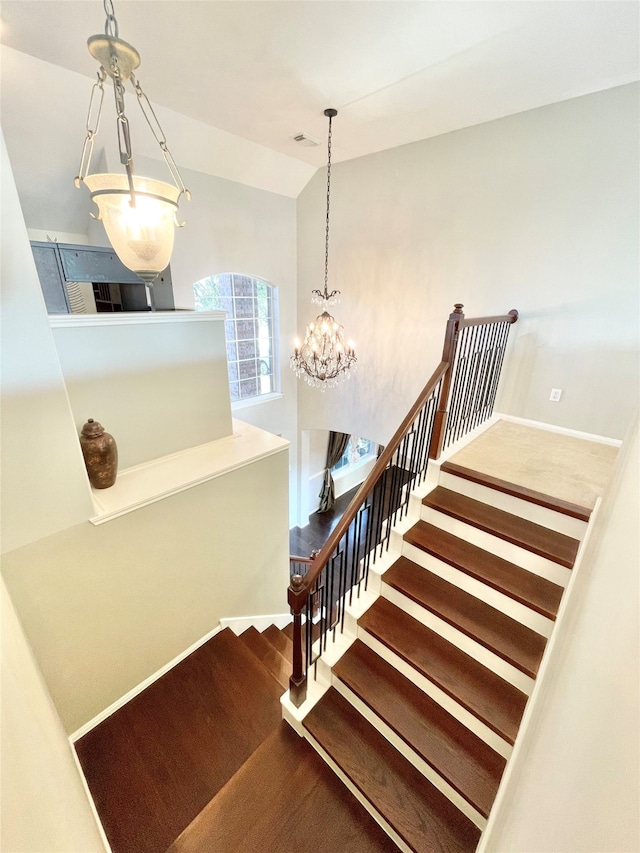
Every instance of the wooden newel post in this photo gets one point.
(298, 679)
(448, 354)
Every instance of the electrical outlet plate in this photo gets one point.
(556, 395)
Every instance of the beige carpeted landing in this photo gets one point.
(564, 467)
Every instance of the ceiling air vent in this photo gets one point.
(305, 139)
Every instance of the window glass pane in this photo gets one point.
(356, 449)
(248, 388)
(249, 329)
(245, 329)
(247, 349)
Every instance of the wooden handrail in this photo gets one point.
(295, 559)
(511, 317)
(297, 596)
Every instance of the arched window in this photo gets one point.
(251, 309)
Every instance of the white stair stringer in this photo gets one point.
(493, 597)
(508, 788)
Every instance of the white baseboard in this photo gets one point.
(588, 436)
(90, 800)
(103, 715)
(238, 624)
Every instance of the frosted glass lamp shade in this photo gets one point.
(142, 236)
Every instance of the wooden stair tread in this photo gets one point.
(539, 540)
(497, 703)
(583, 513)
(275, 663)
(315, 632)
(529, 589)
(279, 641)
(514, 642)
(155, 763)
(288, 631)
(284, 798)
(421, 815)
(450, 748)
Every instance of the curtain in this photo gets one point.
(337, 445)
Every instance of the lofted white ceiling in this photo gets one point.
(264, 70)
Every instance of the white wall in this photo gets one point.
(44, 484)
(576, 786)
(235, 228)
(537, 211)
(157, 382)
(106, 607)
(44, 806)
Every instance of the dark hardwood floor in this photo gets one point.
(304, 540)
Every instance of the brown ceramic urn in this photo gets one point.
(100, 455)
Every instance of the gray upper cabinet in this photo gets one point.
(92, 263)
(59, 263)
(47, 260)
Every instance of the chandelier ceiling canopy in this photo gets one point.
(323, 358)
(139, 214)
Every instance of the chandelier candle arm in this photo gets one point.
(323, 359)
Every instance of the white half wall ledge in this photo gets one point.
(131, 318)
(153, 481)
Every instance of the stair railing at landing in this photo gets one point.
(458, 397)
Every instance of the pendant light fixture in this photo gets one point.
(323, 359)
(139, 214)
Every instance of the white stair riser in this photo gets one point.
(500, 547)
(425, 769)
(358, 795)
(499, 600)
(470, 647)
(454, 708)
(516, 506)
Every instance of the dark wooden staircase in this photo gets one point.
(424, 707)
(418, 718)
(202, 761)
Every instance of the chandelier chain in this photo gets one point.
(324, 357)
(326, 241)
(111, 24)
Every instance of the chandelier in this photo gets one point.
(323, 359)
(139, 214)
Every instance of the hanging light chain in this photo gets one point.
(156, 128)
(324, 297)
(124, 136)
(110, 25)
(92, 126)
(326, 241)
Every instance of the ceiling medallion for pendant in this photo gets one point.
(323, 358)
